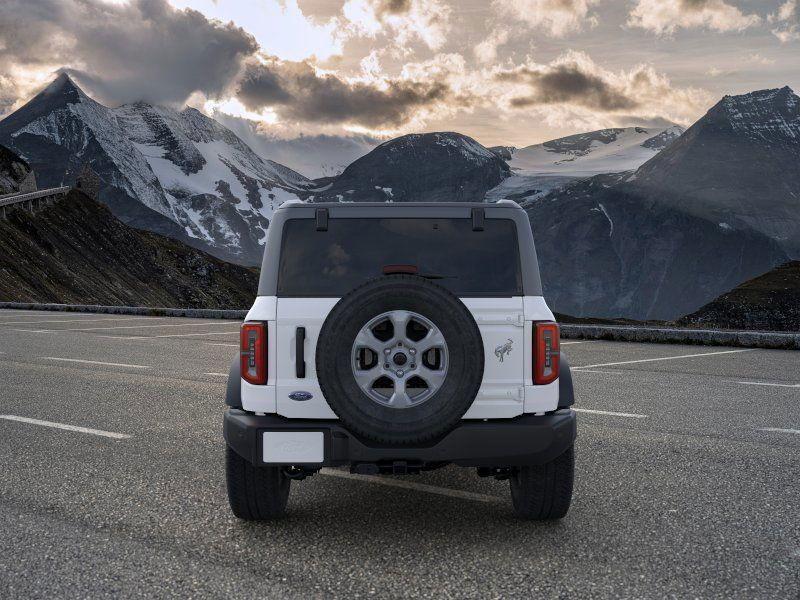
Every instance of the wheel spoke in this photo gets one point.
(433, 339)
(366, 378)
(400, 397)
(399, 319)
(367, 339)
(433, 377)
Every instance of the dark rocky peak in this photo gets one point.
(582, 142)
(441, 166)
(664, 138)
(762, 115)
(59, 94)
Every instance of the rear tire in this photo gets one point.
(544, 492)
(255, 493)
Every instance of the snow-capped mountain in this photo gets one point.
(594, 153)
(541, 168)
(718, 206)
(176, 172)
(427, 167)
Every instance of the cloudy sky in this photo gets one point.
(503, 71)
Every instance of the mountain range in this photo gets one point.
(718, 206)
(637, 222)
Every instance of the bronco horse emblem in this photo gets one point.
(504, 349)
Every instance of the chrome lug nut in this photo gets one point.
(412, 351)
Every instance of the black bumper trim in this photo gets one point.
(524, 440)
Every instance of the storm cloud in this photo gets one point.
(296, 91)
(142, 50)
(566, 82)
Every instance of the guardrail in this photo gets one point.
(660, 335)
(48, 195)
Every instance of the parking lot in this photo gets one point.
(687, 483)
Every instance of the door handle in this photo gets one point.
(300, 352)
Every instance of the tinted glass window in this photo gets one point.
(352, 251)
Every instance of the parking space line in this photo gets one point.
(79, 320)
(644, 360)
(217, 374)
(580, 342)
(100, 432)
(610, 413)
(221, 344)
(131, 327)
(787, 385)
(94, 362)
(597, 371)
(410, 485)
(174, 335)
(779, 430)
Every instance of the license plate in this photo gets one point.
(294, 447)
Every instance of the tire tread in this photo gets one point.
(255, 493)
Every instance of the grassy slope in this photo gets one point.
(76, 251)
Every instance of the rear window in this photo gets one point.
(331, 263)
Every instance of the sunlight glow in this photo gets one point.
(280, 28)
(235, 108)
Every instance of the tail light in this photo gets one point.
(545, 352)
(253, 352)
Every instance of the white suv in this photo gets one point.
(397, 338)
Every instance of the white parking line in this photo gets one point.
(778, 430)
(410, 485)
(581, 342)
(100, 432)
(152, 337)
(217, 374)
(221, 344)
(174, 335)
(130, 327)
(788, 385)
(598, 371)
(644, 360)
(78, 320)
(610, 413)
(94, 362)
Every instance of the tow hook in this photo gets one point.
(297, 473)
(498, 473)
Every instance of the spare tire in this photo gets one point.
(400, 360)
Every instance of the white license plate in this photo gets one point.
(294, 447)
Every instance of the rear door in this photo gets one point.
(480, 266)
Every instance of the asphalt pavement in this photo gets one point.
(112, 481)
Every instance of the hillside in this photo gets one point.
(75, 251)
(769, 302)
(739, 166)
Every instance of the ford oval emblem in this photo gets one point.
(301, 396)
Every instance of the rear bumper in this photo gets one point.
(525, 440)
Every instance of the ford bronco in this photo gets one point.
(394, 339)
